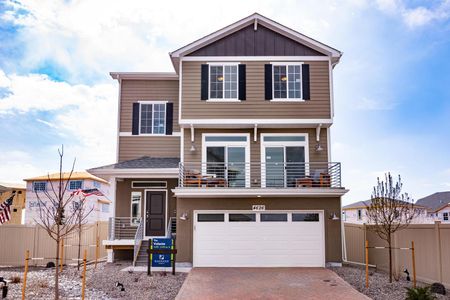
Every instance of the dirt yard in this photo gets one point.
(101, 283)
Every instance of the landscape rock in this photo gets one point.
(438, 288)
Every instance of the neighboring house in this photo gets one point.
(357, 213)
(231, 152)
(37, 186)
(438, 206)
(18, 205)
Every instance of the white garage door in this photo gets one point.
(259, 239)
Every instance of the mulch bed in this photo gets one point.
(101, 283)
(379, 286)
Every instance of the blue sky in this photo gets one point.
(392, 87)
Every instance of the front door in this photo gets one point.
(155, 215)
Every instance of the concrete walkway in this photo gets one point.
(266, 283)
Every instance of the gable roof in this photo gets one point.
(435, 201)
(144, 162)
(255, 19)
(65, 176)
(365, 203)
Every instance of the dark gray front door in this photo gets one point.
(155, 215)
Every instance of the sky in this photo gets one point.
(391, 88)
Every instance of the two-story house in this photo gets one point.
(231, 151)
(98, 206)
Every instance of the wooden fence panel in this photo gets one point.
(16, 239)
(432, 245)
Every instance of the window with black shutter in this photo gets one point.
(152, 118)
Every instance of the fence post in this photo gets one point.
(24, 286)
(437, 237)
(83, 282)
(62, 256)
(367, 263)
(413, 263)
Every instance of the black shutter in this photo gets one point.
(305, 82)
(268, 81)
(135, 124)
(204, 83)
(242, 82)
(169, 118)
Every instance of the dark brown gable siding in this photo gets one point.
(262, 42)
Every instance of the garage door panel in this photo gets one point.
(259, 244)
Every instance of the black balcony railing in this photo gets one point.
(260, 175)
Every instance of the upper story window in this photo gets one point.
(39, 186)
(153, 118)
(97, 184)
(445, 216)
(75, 184)
(359, 213)
(223, 82)
(287, 82)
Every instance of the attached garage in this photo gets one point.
(258, 239)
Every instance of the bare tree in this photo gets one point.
(81, 211)
(389, 211)
(52, 208)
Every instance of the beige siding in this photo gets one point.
(432, 248)
(255, 147)
(255, 107)
(131, 147)
(184, 241)
(146, 90)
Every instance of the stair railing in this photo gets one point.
(138, 241)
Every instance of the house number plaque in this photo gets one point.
(258, 207)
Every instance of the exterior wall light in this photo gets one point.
(192, 148)
(184, 216)
(319, 147)
(334, 217)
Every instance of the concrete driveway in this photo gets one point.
(266, 283)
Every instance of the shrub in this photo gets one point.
(419, 293)
(15, 279)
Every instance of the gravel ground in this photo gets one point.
(379, 286)
(101, 283)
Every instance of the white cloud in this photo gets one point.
(86, 115)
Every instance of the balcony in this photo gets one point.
(289, 177)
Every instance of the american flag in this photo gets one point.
(87, 192)
(5, 209)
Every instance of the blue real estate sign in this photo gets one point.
(161, 260)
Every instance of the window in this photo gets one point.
(153, 118)
(287, 138)
(226, 156)
(97, 184)
(287, 82)
(273, 217)
(135, 207)
(75, 184)
(105, 207)
(148, 184)
(305, 217)
(359, 214)
(223, 82)
(210, 218)
(445, 216)
(39, 186)
(242, 217)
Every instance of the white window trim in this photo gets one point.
(45, 186)
(264, 144)
(82, 184)
(223, 99)
(278, 63)
(153, 111)
(163, 185)
(140, 209)
(245, 144)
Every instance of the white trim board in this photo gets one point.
(129, 133)
(255, 192)
(252, 122)
(255, 58)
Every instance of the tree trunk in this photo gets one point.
(390, 257)
(57, 270)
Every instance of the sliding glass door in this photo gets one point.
(284, 160)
